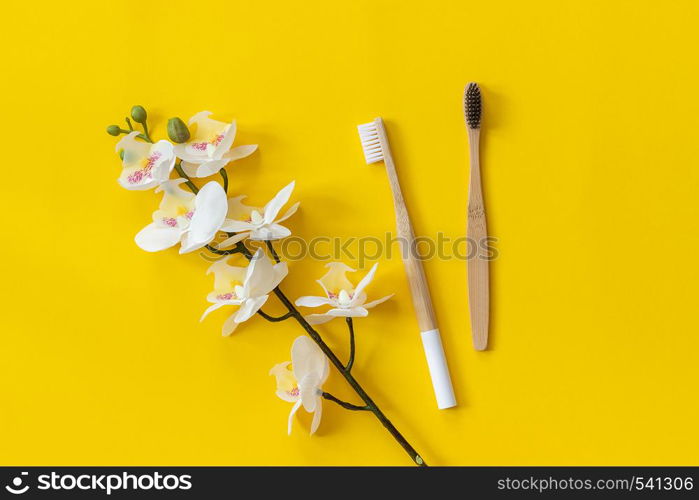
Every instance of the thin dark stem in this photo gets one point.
(221, 252)
(128, 122)
(345, 404)
(273, 251)
(189, 183)
(224, 175)
(350, 361)
(372, 406)
(274, 319)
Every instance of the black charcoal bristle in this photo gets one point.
(472, 105)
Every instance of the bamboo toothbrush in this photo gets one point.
(376, 148)
(478, 288)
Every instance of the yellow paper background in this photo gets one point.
(590, 169)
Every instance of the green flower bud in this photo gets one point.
(139, 115)
(177, 131)
(114, 130)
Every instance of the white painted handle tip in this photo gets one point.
(439, 371)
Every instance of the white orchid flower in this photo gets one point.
(145, 165)
(300, 380)
(248, 287)
(209, 149)
(258, 223)
(346, 300)
(184, 217)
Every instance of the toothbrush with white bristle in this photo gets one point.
(376, 149)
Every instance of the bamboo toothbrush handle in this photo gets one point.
(478, 284)
(419, 290)
(413, 266)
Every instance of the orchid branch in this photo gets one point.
(344, 370)
(315, 336)
(192, 187)
(224, 176)
(274, 319)
(350, 362)
(344, 404)
(273, 251)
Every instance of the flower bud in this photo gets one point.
(114, 130)
(139, 115)
(177, 131)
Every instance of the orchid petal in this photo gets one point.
(212, 308)
(154, 238)
(317, 414)
(182, 153)
(311, 301)
(190, 169)
(308, 359)
(366, 280)
(318, 319)
(210, 168)
(237, 210)
(232, 240)
(133, 149)
(210, 212)
(375, 303)
(335, 279)
(262, 277)
(292, 210)
(353, 312)
(293, 411)
(124, 182)
(239, 152)
(269, 233)
(280, 272)
(286, 382)
(229, 326)
(275, 204)
(226, 142)
(249, 307)
(201, 115)
(308, 389)
(234, 226)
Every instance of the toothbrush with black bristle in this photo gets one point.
(478, 285)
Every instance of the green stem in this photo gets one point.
(344, 404)
(128, 122)
(224, 175)
(350, 362)
(145, 130)
(189, 183)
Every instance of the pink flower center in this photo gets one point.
(145, 172)
(293, 392)
(169, 221)
(217, 140)
(225, 296)
(202, 146)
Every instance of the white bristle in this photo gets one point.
(371, 143)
